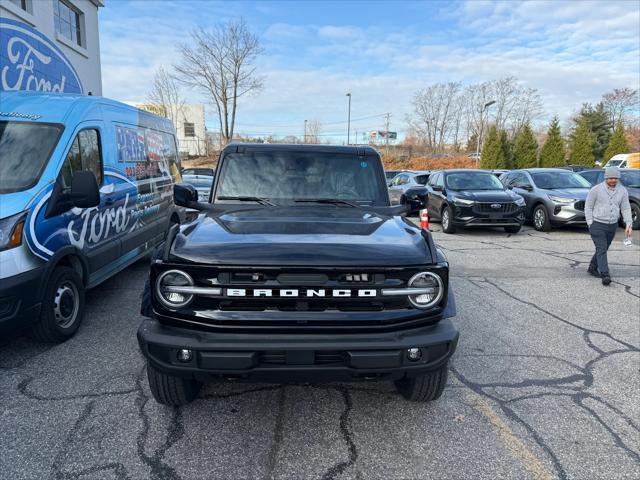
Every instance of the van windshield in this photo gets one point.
(25, 148)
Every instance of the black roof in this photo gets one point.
(362, 150)
(463, 170)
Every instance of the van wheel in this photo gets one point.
(171, 390)
(424, 388)
(447, 221)
(62, 307)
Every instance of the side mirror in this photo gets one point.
(185, 195)
(84, 190)
(528, 188)
(437, 188)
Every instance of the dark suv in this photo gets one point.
(473, 198)
(299, 270)
(630, 178)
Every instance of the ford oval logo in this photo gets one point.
(30, 61)
(496, 205)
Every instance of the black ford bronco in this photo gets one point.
(297, 270)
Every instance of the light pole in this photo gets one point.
(349, 121)
(486, 107)
(305, 131)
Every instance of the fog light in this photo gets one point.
(185, 355)
(414, 354)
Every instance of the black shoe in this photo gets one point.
(592, 270)
(606, 279)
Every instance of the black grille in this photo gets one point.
(579, 205)
(487, 207)
(346, 305)
(320, 357)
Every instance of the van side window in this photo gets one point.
(84, 154)
(171, 154)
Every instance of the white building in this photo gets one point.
(50, 45)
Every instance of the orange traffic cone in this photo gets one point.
(424, 219)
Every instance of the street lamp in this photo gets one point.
(349, 121)
(485, 108)
(305, 131)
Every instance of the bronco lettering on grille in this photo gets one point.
(296, 293)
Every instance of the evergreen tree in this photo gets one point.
(492, 151)
(582, 146)
(526, 149)
(618, 143)
(599, 124)
(507, 150)
(552, 154)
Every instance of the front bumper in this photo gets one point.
(296, 357)
(568, 214)
(20, 299)
(468, 216)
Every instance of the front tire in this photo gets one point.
(541, 220)
(62, 307)
(447, 220)
(171, 390)
(424, 388)
(635, 216)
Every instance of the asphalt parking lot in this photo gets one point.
(544, 385)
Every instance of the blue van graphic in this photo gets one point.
(86, 189)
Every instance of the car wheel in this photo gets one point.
(171, 390)
(424, 388)
(541, 219)
(62, 307)
(513, 228)
(635, 216)
(447, 221)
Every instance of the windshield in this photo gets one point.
(25, 148)
(554, 180)
(288, 176)
(614, 163)
(630, 178)
(198, 182)
(473, 181)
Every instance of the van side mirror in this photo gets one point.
(84, 190)
(185, 195)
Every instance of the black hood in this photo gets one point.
(486, 195)
(301, 236)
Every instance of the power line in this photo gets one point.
(294, 125)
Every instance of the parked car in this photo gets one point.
(624, 160)
(202, 183)
(406, 181)
(474, 156)
(553, 196)
(574, 168)
(390, 174)
(85, 190)
(630, 178)
(209, 172)
(298, 269)
(473, 198)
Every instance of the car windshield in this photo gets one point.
(555, 180)
(473, 181)
(198, 182)
(289, 176)
(630, 178)
(25, 148)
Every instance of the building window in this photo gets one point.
(20, 3)
(189, 130)
(67, 20)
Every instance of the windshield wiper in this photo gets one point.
(260, 200)
(325, 200)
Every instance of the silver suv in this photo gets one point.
(553, 196)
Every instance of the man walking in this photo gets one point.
(602, 211)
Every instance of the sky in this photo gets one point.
(382, 52)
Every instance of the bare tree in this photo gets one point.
(165, 97)
(220, 63)
(620, 103)
(314, 127)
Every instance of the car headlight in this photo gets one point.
(432, 287)
(520, 201)
(11, 229)
(462, 202)
(170, 296)
(562, 200)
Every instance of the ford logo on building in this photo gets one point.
(31, 61)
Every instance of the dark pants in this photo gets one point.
(602, 235)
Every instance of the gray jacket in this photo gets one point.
(604, 205)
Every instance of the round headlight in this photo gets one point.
(169, 298)
(433, 286)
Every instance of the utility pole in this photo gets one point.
(349, 120)
(305, 131)
(485, 108)
(386, 131)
